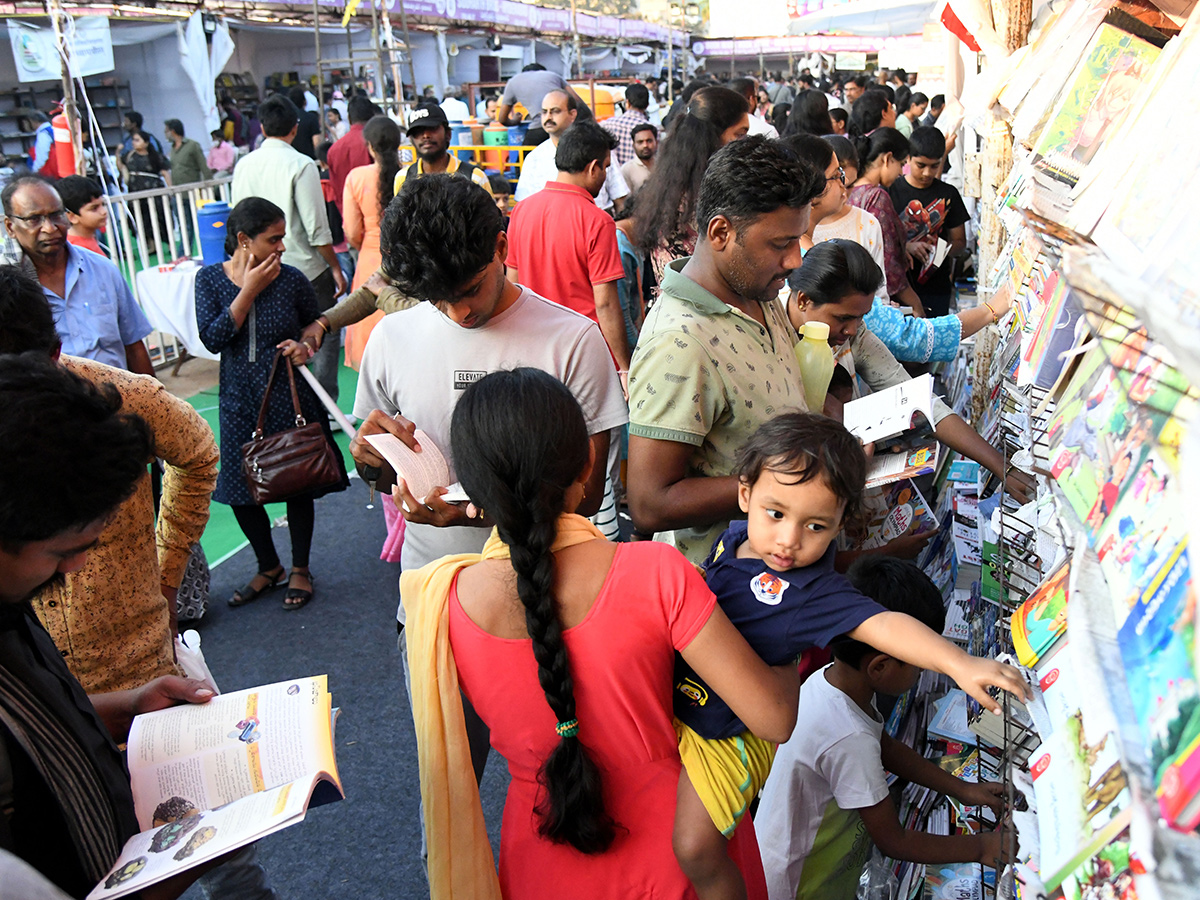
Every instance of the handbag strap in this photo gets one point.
(262, 410)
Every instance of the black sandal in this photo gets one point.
(249, 593)
(299, 595)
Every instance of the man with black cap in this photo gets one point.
(429, 131)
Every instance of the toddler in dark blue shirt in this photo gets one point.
(801, 477)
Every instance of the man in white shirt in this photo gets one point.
(453, 107)
(748, 88)
(445, 246)
(559, 111)
(278, 172)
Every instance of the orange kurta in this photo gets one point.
(360, 221)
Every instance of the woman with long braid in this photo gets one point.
(564, 644)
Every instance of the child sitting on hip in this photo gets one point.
(801, 476)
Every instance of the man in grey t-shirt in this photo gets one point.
(528, 87)
(443, 243)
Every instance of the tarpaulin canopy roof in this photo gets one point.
(871, 18)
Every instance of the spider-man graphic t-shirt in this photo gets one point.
(929, 212)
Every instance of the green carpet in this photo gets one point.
(223, 538)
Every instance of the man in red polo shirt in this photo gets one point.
(350, 151)
(562, 246)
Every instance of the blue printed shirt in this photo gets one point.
(911, 339)
(98, 316)
(780, 614)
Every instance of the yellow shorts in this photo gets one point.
(727, 773)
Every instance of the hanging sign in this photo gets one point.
(37, 57)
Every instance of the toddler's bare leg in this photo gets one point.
(702, 850)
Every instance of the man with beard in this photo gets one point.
(715, 357)
(67, 800)
(645, 146)
(559, 112)
(429, 131)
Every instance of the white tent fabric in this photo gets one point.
(202, 64)
(442, 74)
(869, 18)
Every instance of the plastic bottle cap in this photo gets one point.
(818, 331)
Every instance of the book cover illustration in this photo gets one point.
(1106, 876)
(1083, 798)
(1054, 333)
(1145, 528)
(1097, 97)
(1102, 431)
(1041, 620)
(910, 462)
(892, 511)
(1157, 643)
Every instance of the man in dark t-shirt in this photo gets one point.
(308, 131)
(929, 209)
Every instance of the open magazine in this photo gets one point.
(210, 778)
(889, 412)
(910, 462)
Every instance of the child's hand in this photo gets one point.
(976, 675)
(907, 546)
(996, 852)
(986, 793)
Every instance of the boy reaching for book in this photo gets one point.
(826, 801)
(800, 477)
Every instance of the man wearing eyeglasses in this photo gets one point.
(94, 310)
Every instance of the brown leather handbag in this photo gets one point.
(293, 462)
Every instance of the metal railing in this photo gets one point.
(156, 227)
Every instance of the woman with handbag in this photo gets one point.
(251, 310)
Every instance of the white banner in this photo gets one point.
(37, 58)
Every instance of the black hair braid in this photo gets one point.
(521, 477)
(572, 807)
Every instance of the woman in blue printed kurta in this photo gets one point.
(247, 309)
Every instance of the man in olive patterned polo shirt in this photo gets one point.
(715, 358)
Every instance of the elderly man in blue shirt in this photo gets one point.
(94, 310)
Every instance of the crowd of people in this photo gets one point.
(625, 338)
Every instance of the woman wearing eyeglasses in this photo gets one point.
(909, 338)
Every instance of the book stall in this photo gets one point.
(1087, 386)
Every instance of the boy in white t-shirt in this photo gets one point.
(826, 800)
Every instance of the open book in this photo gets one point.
(887, 413)
(210, 778)
(422, 472)
(921, 459)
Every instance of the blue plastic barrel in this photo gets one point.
(212, 218)
(461, 135)
(516, 138)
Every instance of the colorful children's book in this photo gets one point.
(208, 779)
(1041, 620)
(895, 510)
(1053, 333)
(1145, 528)
(1107, 875)
(1083, 798)
(1104, 427)
(1157, 643)
(1097, 96)
(886, 467)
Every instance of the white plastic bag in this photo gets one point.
(191, 658)
(876, 881)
